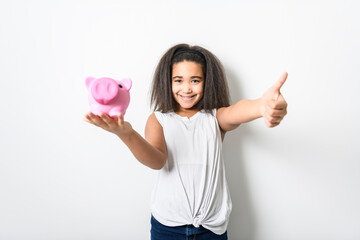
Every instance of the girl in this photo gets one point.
(183, 140)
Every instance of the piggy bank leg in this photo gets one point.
(95, 112)
(115, 112)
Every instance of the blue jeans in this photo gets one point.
(185, 232)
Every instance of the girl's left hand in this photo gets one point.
(272, 103)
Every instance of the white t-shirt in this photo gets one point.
(192, 187)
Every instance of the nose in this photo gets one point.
(186, 88)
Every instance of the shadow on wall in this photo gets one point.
(241, 225)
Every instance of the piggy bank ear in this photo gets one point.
(126, 83)
(88, 81)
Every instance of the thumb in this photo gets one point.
(276, 87)
(120, 119)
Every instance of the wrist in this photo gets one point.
(260, 107)
(126, 136)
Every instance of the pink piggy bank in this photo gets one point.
(108, 96)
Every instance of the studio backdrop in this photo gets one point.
(62, 178)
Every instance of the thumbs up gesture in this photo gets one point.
(273, 105)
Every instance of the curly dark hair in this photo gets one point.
(216, 92)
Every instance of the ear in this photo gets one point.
(88, 81)
(126, 83)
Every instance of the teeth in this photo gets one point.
(186, 98)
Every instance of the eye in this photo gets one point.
(177, 80)
(195, 81)
(120, 86)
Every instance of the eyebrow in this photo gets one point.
(191, 77)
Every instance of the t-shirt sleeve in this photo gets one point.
(214, 112)
(159, 117)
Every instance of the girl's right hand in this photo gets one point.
(117, 126)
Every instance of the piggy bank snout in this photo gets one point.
(105, 91)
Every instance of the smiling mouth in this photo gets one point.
(187, 98)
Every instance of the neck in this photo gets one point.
(186, 112)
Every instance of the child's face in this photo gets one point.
(187, 84)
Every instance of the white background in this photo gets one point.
(62, 178)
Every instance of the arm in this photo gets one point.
(150, 152)
(272, 106)
(243, 111)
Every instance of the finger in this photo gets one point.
(96, 120)
(120, 119)
(277, 113)
(106, 118)
(273, 119)
(279, 84)
(278, 104)
(282, 104)
(273, 105)
(86, 116)
(269, 124)
(86, 119)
